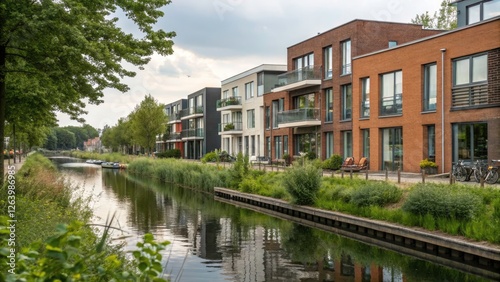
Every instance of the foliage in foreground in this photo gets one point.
(66, 256)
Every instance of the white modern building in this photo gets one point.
(242, 109)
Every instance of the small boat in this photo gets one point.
(110, 165)
(97, 162)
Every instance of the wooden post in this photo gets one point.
(342, 173)
(366, 174)
(399, 174)
(482, 181)
(423, 175)
(350, 173)
(386, 174)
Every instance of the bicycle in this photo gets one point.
(460, 171)
(492, 175)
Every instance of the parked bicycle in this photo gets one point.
(492, 172)
(461, 171)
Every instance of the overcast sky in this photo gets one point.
(217, 39)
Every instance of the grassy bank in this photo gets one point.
(108, 157)
(456, 209)
(52, 238)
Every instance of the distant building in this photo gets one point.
(92, 145)
(474, 11)
(173, 139)
(242, 109)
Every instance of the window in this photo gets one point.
(260, 84)
(347, 143)
(252, 145)
(346, 57)
(285, 144)
(470, 76)
(329, 104)
(277, 147)
(393, 44)
(304, 101)
(431, 142)
(304, 61)
(365, 133)
(247, 145)
(328, 144)
(275, 113)
(392, 91)
(483, 11)
(225, 94)
(268, 147)
(392, 148)
(346, 110)
(235, 91)
(268, 117)
(251, 118)
(365, 97)
(199, 101)
(306, 143)
(249, 90)
(430, 87)
(327, 56)
(470, 141)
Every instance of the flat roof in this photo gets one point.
(429, 37)
(263, 67)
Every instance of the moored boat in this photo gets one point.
(110, 165)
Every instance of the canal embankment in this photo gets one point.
(470, 257)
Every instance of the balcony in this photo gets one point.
(231, 128)
(392, 105)
(299, 118)
(174, 137)
(298, 79)
(193, 112)
(192, 134)
(229, 104)
(174, 118)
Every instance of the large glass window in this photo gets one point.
(304, 101)
(346, 110)
(365, 133)
(275, 113)
(252, 145)
(470, 78)
(470, 141)
(430, 87)
(268, 147)
(235, 91)
(251, 118)
(278, 149)
(247, 145)
(392, 148)
(305, 143)
(328, 63)
(260, 84)
(268, 117)
(483, 11)
(249, 90)
(329, 104)
(365, 97)
(392, 92)
(285, 144)
(225, 94)
(346, 57)
(328, 144)
(347, 144)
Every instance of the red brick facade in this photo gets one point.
(482, 38)
(365, 37)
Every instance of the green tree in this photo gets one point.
(147, 121)
(51, 141)
(118, 137)
(66, 140)
(57, 55)
(445, 18)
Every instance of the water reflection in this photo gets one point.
(214, 241)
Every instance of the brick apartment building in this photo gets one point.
(437, 97)
(311, 109)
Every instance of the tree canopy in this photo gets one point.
(445, 18)
(58, 55)
(147, 121)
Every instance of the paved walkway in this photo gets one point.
(10, 162)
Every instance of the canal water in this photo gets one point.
(214, 241)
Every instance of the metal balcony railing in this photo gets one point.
(174, 116)
(298, 115)
(190, 133)
(191, 111)
(391, 105)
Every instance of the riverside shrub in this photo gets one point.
(332, 163)
(375, 194)
(443, 201)
(303, 183)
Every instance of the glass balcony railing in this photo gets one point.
(174, 136)
(174, 116)
(193, 133)
(230, 126)
(392, 105)
(231, 101)
(298, 115)
(191, 111)
(307, 73)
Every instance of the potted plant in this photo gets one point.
(228, 127)
(429, 166)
